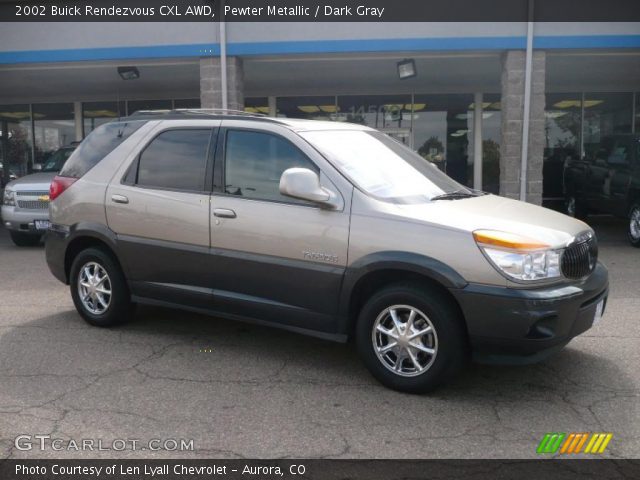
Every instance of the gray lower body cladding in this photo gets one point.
(505, 325)
(509, 325)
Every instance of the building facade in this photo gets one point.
(464, 110)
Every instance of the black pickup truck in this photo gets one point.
(607, 182)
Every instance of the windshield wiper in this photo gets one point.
(455, 195)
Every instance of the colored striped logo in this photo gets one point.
(593, 443)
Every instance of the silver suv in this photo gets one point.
(25, 205)
(328, 229)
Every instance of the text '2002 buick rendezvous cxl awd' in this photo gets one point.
(330, 229)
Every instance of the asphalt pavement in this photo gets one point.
(237, 390)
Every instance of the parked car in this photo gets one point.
(324, 228)
(25, 206)
(607, 182)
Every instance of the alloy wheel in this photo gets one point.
(94, 288)
(405, 340)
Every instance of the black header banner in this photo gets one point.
(300, 469)
(319, 10)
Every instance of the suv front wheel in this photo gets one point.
(99, 289)
(411, 338)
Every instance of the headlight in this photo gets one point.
(9, 197)
(518, 257)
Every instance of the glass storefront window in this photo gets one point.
(491, 140)
(16, 138)
(562, 122)
(388, 113)
(53, 127)
(605, 114)
(562, 114)
(312, 108)
(443, 133)
(136, 105)
(95, 114)
(256, 105)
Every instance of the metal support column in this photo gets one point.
(524, 162)
(223, 58)
(273, 111)
(5, 151)
(77, 117)
(477, 140)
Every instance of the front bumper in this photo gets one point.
(508, 325)
(22, 220)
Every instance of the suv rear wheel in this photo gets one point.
(25, 239)
(634, 225)
(99, 289)
(410, 338)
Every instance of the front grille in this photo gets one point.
(580, 258)
(26, 193)
(33, 204)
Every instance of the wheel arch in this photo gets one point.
(85, 235)
(376, 271)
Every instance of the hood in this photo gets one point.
(35, 181)
(492, 212)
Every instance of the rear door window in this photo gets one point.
(175, 160)
(98, 144)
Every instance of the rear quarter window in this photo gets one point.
(98, 144)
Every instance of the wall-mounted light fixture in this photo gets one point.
(407, 69)
(128, 73)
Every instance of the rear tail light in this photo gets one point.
(59, 185)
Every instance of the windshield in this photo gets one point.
(56, 160)
(382, 167)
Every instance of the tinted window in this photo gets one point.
(175, 159)
(57, 160)
(255, 162)
(102, 141)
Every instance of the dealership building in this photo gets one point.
(476, 94)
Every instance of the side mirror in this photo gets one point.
(36, 167)
(304, 184)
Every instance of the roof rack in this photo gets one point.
(211, 112)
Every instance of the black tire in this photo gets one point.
(120, 308)
(25, 239)
(575, 208)
(634, 219)
(445, 318)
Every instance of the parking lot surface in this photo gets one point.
(244, 391)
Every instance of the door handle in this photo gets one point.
(224, 213)
(119, 199)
